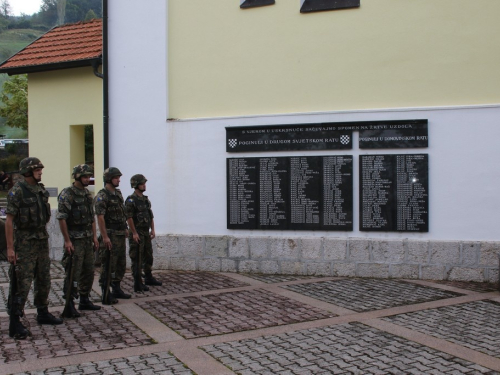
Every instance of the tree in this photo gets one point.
(90, 15)
(5, 9)
(61, 11)
(14, 100)
(48, 12)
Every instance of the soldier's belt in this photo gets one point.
(116, 226)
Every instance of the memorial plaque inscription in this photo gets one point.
(288, 137)
(242, 193)
(296, 193)
(394, 193)
(394, 134)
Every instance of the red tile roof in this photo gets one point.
(62, 47)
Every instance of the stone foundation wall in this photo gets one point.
(321, 256)
(328, 256)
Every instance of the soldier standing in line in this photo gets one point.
(142, 231)
(108, 205)
(76, 220)
(28, 212)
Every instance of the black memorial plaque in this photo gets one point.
(288, 138)
(290, 193)
(394, 193)
(394, 134)
(328, 136)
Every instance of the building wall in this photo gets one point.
(225, 61)
(434, 58)
(59, 103)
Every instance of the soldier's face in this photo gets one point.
(37, 174)
(141, 187)
(85, 180)
(115, 181)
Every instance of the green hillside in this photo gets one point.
(12, 41)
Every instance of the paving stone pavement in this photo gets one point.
(470, 285)
(279, 278)
(184, 282)
(105, 329)
(342, 349)
(230, 312)
(155, 363)
(370, 294)
(220, 324)
(475, 325)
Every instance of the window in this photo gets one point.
(307, 6)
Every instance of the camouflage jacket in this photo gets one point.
(75, 206)
(111, 206)
(29, 204)
(139, 209)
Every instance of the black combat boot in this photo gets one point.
(44, 317)
(118, 292)
(86, 303)
(150, 280)
(16, 328)
(110, 300)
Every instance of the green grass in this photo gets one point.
(12, 41)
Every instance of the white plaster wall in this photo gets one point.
(185, 161)
(138, 131)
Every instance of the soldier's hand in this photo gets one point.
(68, 246)
(107, 243)
(152, 234)
(96, 244)
(11, 255)
(135, 237)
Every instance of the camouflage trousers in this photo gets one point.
(32, 265)
(144, 248)
(118, 257)
(83, 263)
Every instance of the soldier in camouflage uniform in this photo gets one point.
(76, 220)
(28, 212)
(142, 231)
(108, 205)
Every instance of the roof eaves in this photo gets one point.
(49, 67)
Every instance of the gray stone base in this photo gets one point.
(321, 256)
(327, 256)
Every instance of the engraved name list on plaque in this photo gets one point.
(290, 193)
(394, 193)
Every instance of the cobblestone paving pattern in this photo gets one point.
(94, 331)
(55, 296)
(56, 271)
(470, 285)
(269, 279)
(370, 294)
(341, 349)
(175, 282)
(158, 363)
(230, 312)
(467, 324)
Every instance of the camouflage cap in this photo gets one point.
(111, 172)
(28, 165)
(136, 180)
(82, 170)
